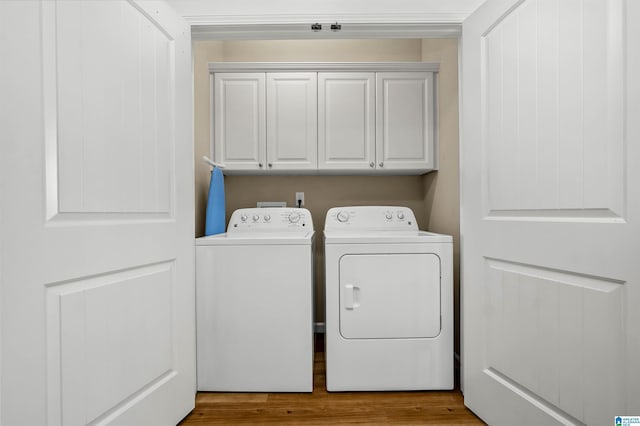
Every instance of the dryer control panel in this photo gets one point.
(371, 218)
(276, 219)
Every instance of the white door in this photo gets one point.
(96, 222)
(346, 120)
(390, 296)
(551, 211)
(405, 120)
(292, 121)
(239, 111)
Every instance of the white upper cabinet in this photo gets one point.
(325, 118)
(265, 121)
(239, 120)
(405, 119)
(346, 120)
(292, 121)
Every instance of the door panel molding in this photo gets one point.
(105, 153)
(540, 325)
(109, 341)
(553, 92)
(551, 410)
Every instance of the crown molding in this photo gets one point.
(323, 66)
(354, 26)
(352, 18)
(303, 31)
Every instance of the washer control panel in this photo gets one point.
(371, 218)
(270, 219)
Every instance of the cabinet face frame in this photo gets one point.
(426, 162)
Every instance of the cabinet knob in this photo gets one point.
(381, 164)
(270, 165)
(371, 164)
(259, 164)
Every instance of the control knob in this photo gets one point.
(256, 217)
(389, 215)
(294, 217)
(267, 218)
(400, 215)
(243, 218)
(342, 216)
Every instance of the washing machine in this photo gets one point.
(389, 302)
(254, 303)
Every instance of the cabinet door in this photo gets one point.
(292, 121)
(387, 296)
(346, 120)
(239, 120)
(405, 120)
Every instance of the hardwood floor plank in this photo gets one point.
(322, 407)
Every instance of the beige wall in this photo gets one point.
(433, 197)
(442, 196)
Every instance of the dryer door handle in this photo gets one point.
(351, 296)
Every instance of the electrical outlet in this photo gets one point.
(300, 199)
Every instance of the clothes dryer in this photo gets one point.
(254, 303)
(389, 302)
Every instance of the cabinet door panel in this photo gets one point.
(292, 120)
(386, 296)
(346, 120)
(239, 120)
(405, 120)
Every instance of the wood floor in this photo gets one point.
(322, 407)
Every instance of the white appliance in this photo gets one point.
(254, 303)
(389, 302)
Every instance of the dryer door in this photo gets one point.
(389, 296)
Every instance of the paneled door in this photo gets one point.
(96, 214)
(551, 211)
